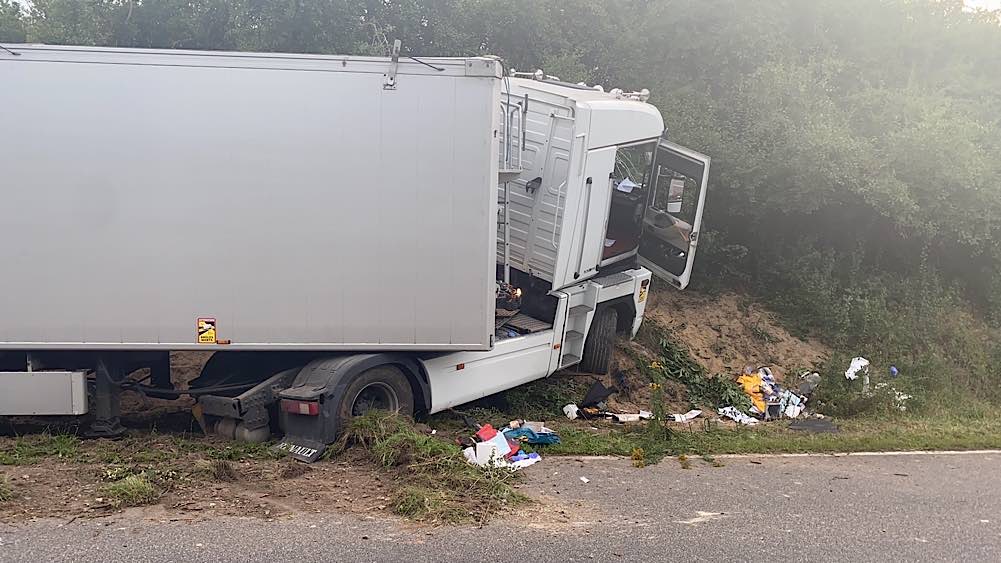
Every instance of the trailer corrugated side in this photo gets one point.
(159, 199)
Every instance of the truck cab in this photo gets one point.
(601, 188)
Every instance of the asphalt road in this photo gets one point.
(859, 508)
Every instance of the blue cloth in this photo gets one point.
(531, 436)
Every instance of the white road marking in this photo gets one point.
(835, 454)
(864, 454)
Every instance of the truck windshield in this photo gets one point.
(633, 163)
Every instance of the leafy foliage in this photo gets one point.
(855, 176)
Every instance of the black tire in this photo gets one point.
(600, 343)
(380, 380)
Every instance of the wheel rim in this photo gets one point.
(375, 396)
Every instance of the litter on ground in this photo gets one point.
(687, 417)
(733, 414)
(490, 447)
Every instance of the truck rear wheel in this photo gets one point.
(379, 388)
(600, 343)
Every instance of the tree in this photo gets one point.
(11, 22)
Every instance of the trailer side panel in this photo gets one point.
(276, 202)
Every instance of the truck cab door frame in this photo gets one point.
(663, 242)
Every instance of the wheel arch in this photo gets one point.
(626, 309)
(310, 385)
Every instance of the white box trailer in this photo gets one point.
(346, 233)
(279, 202)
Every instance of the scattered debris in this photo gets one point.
(752, 384)
(524, 460)
(810, 380)
(859, 364)
(544, 436)
(688, 416)
(734, 414)
(490, 448)
(571, 411)
(630, 417)
(597, 394)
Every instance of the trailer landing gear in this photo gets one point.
(107, 401)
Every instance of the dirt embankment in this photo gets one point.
(726, 332)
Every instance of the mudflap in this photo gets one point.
(303, 450)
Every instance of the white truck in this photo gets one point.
(344, 233)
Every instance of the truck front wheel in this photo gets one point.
(600, 343)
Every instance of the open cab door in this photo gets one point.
(673, 214)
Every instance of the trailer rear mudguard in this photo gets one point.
(320, 388)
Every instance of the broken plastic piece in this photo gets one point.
(734, 414)
(858, 364)
(596, 394)
(687, 416)
(486, 432)
(631, 417)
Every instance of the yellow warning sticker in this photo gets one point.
(206, 331)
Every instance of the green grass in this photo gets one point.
(434, 482)
(25, 450)
(131, 450)
(6, 492)
(904, 432)
(134, 490)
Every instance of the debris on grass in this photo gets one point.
(434, 481)
(134, 490)
(687, 417)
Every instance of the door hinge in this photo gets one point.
(389, 82)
